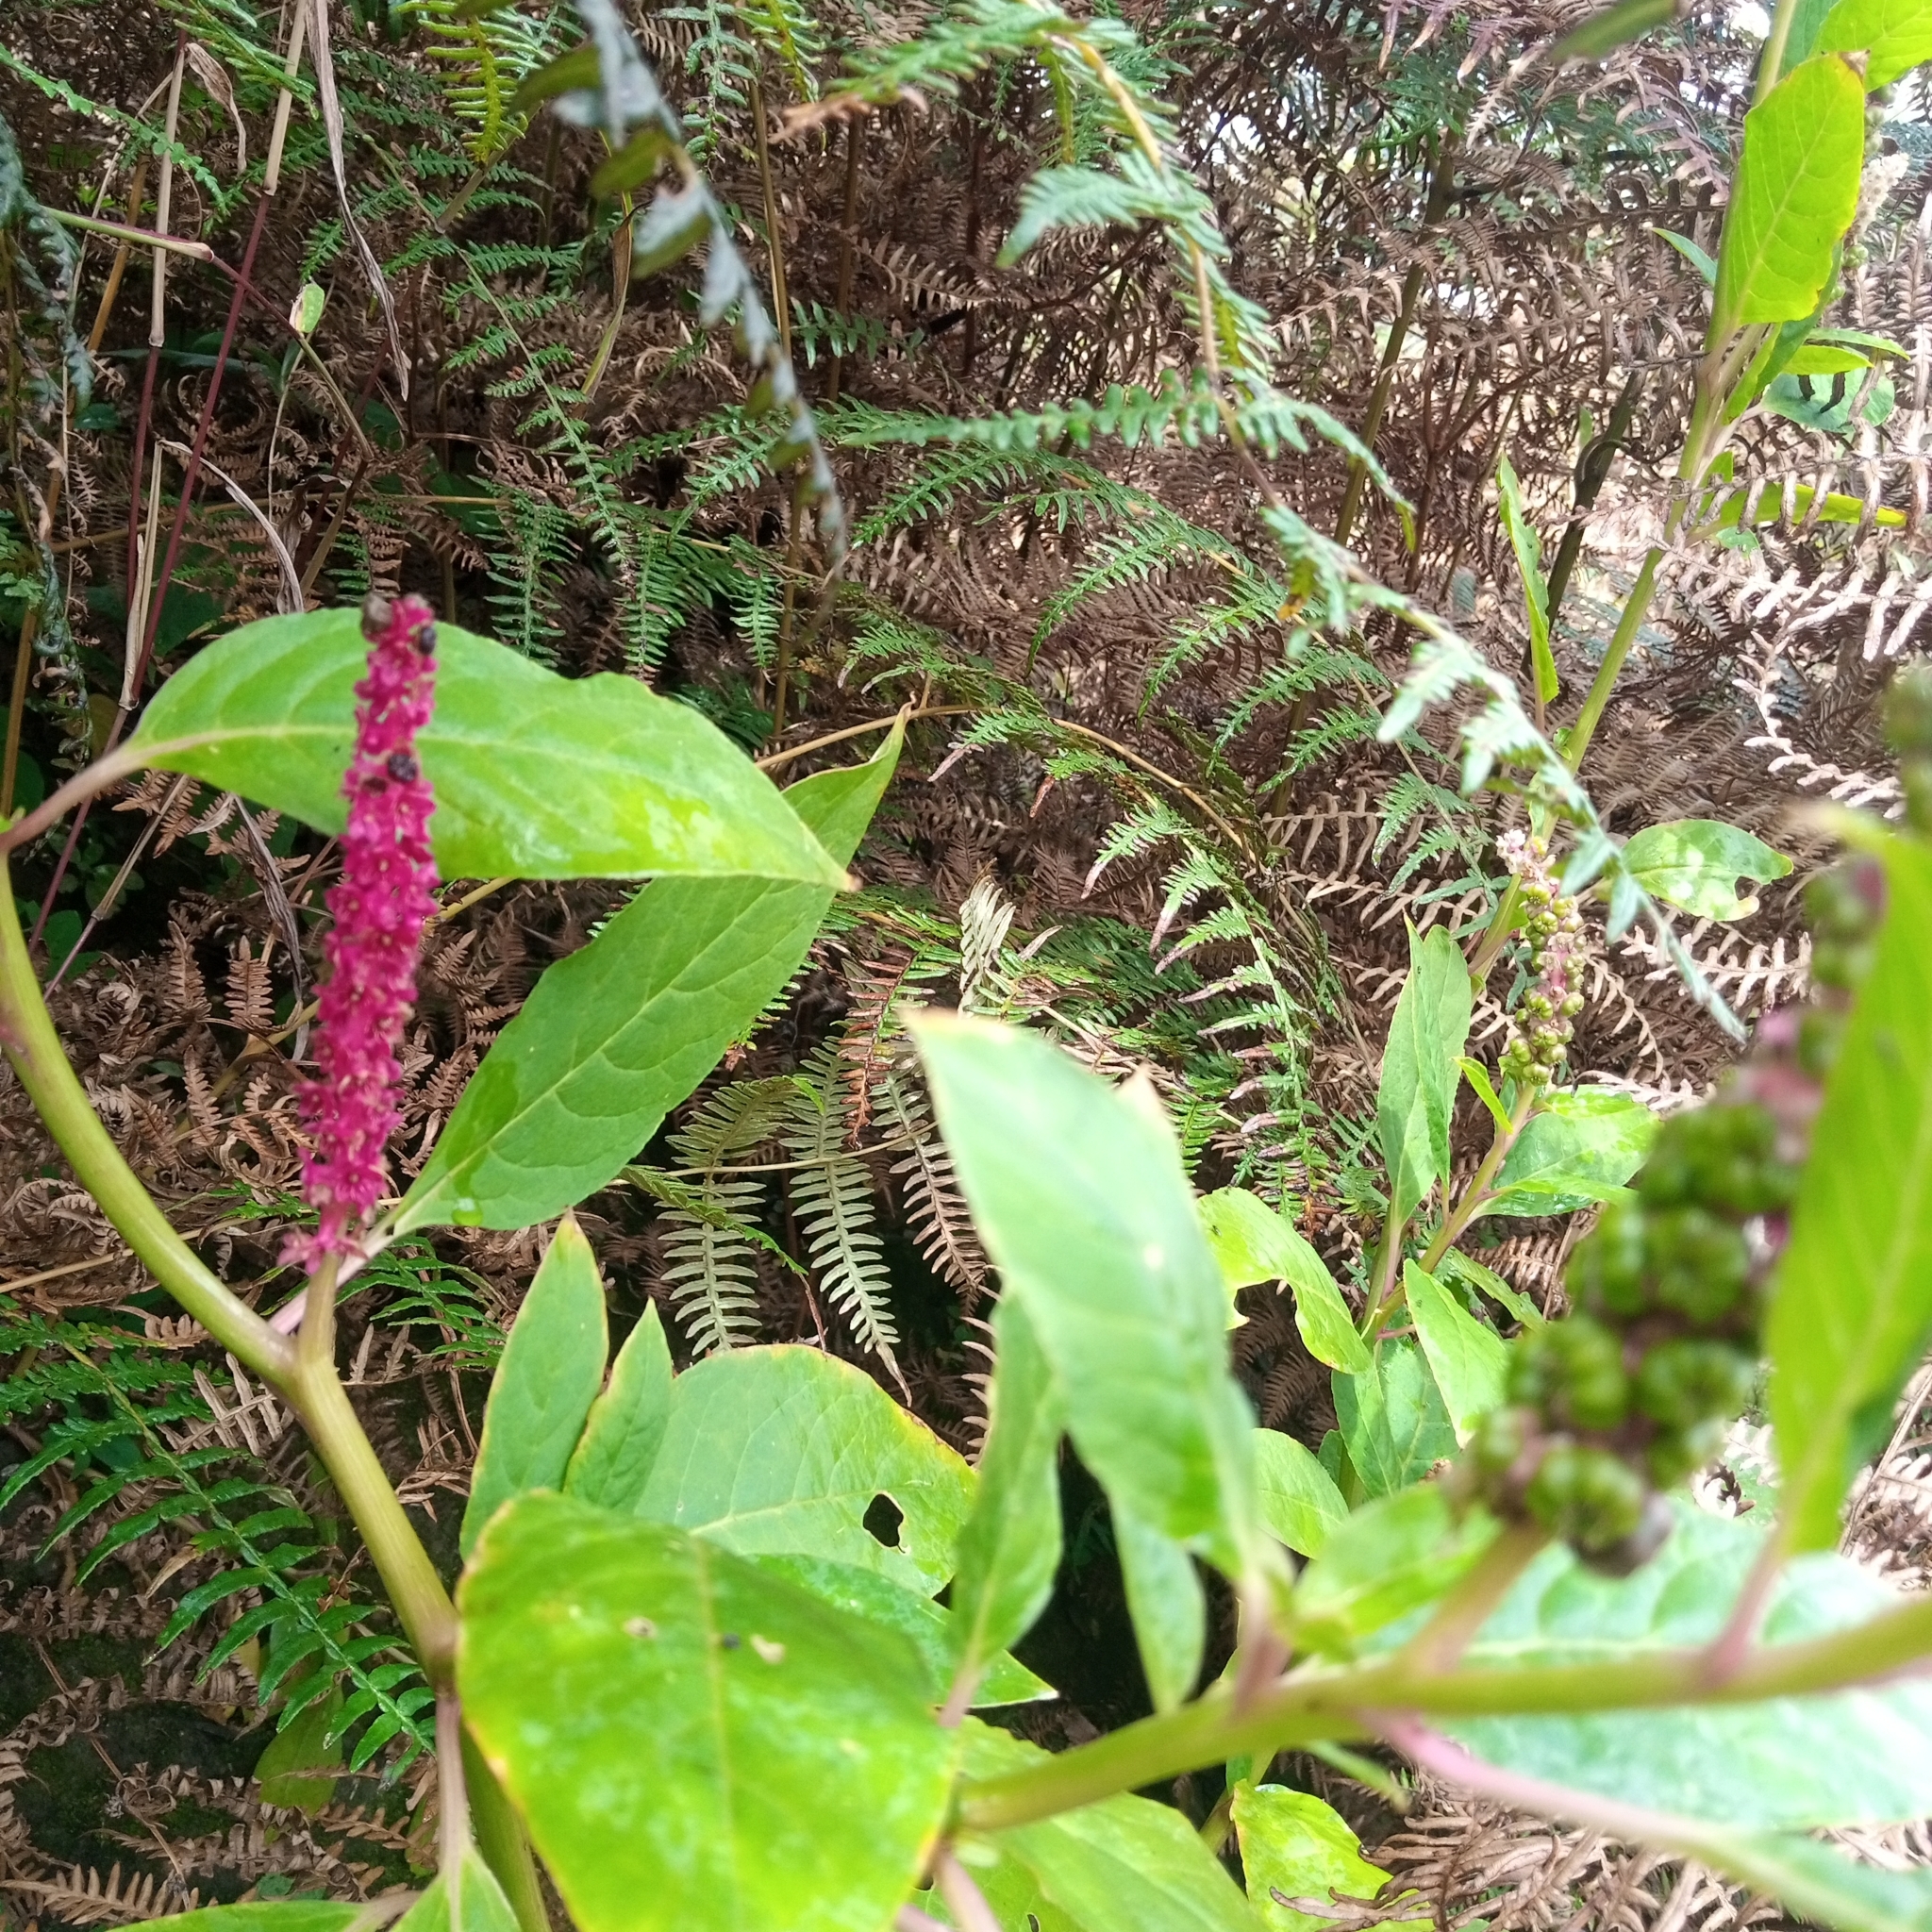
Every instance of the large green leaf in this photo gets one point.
(695, 1742)
(1695, 864)
(1851, 1302)
(1895, 36)
(1293, 1846)
(1847, 1757)
(1581, 1147)
(1300, 1504)
(1420, 1073)
(1079, 1191)
(613, 1037)
(1467, 1360)
(626, 1427)
(1392, 1420)
(535, 774)
(1123, 1863)
(1010, 1545)
(1254, 1244)
(785, 1449)
(548, 1378)
(1796, 191)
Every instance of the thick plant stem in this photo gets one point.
(26, 1031)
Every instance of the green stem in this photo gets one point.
(1325, 1704)
(1771, 61)
(1635, 609)
(34, 1050)
(1478, 1193)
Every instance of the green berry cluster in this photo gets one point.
(1634, 1390)
(1541, 1026)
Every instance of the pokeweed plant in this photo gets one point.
(680, 1667)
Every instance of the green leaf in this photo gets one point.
(694, 1741)
(929, 1628)
(1467, 1360)
(1392, 1420)
(1801, 42)
(1795, 194)
(1253, 1243)
(1294, 1846)
(1078, 1191)
(1480, 1085)
(626, 1423)
(1895, 36)
(1459, 1267)
(1850, 1757)
(783, 1450)
(1419, 1070)
(1392, 1556)
(289, 1769)
(1839, 508)
(615, 1036)
(1818, 1882)
(568, 73)
(1610, 27)
(551, 1371)
(272, 1915)
(1124, 1862)
(535, 774)
(1300, 1504)
(1010, 1548)
(1822, 359)
(1852, 1301)
(1691, 253)
(1581, 1147)
(1529, 563)
(466, 1900)
(1695, 864)
(1168, 1606)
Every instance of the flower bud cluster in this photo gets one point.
(1541, 1026)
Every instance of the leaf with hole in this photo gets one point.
(552, 1369)
(1695, 864)
(793, 1776)
(615, 1036)
(785, 1450)
(1293, 1846)
(1252, 1244)
(535, 775)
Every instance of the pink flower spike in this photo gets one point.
(379, 908)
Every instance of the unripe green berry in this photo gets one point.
(1606, 1275)
(1674, 1454)
(1589, 1497)
(1698, 1264)
(1500, 1438)
(1573, 1371)
(1718, 1157)
(1688, 1381)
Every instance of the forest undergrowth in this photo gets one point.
(1142, 637)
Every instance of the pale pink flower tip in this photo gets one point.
(378, 909)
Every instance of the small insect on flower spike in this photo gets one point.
(379, 908)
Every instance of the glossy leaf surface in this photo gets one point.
(1079, 1192)
(1583, 1145)
(615, 1036)
(1392, 1418)
(1795, 193)
(535, 774)
(1852, 1301)
(785, 1449)
(552, 1369)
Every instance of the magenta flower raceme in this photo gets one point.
(379, 908)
